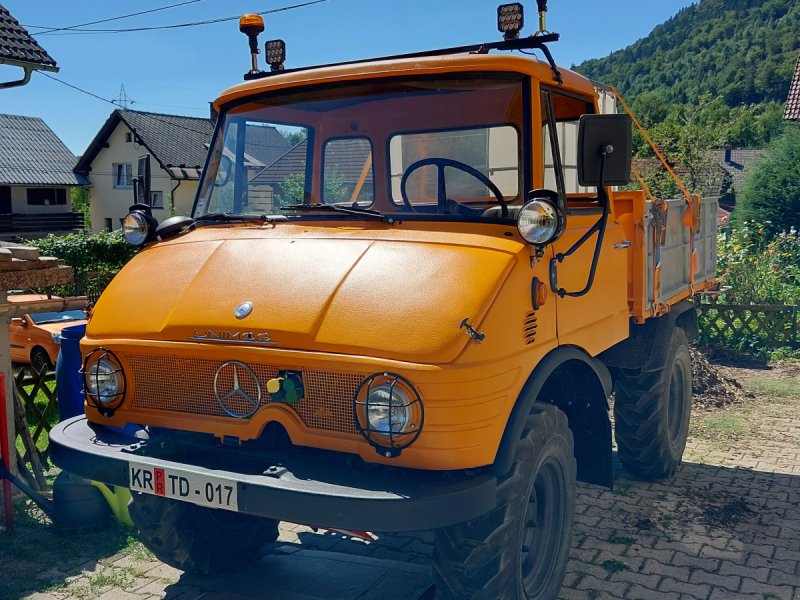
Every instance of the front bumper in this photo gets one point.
(322, 489)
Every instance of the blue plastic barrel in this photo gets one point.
(69, 382)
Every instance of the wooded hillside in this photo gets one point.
(742, 51)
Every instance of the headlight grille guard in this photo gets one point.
(95, 356)
(397, 442)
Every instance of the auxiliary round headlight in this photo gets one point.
(388, 413)
(104, 380)
(135, 228)
(538, 222)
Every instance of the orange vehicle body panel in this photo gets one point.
(364, 297)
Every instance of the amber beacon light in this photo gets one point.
(252, 26)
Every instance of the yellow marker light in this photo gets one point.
(274, 385)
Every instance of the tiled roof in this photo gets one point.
(17, 46)
(180, 144)
(291, 163)
(793, 100)
(710, 179)
(265, 144)
(348, 156)
(737, 161)
(31, 154)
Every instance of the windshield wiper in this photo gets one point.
(222, 217)
(349, 209)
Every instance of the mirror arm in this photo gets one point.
(599, 227)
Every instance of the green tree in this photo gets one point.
(771, 193)
(80, 204)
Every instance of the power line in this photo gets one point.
(76, 31)
(136, 14)
(75, 87)
(152, 116)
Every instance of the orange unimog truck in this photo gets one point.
(412, 317)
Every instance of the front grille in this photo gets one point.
(183, 385)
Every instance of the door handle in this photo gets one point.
(622, 245)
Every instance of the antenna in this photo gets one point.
(123, 99)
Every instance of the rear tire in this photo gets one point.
(198, 539)
(651, 413)
(520, 549)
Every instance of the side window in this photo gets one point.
(560, 115)
(348, 175)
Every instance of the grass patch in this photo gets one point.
(723, 429)
(615, 566)
(620, 539)
(782, 391)
(34, 548)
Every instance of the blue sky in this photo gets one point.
(180, 70)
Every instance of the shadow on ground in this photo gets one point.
(710, 532)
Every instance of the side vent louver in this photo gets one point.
(529, 327)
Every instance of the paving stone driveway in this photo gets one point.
(727, 526)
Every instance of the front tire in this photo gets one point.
(651, 413)
(520, 549)
(198, 539)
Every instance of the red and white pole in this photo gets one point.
(5, 454)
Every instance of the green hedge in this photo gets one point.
(95, 257)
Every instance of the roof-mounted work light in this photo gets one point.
(510, 19)
(276, 54)
(251, 26)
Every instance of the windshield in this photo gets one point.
(57, 317)
(430, 148)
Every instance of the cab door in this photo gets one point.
(594, 318)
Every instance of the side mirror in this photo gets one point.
(22, 321)
(609, 136)
(143, 181)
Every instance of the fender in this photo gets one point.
(646, 347)
(589, 422)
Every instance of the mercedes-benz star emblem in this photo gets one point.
(244, 309)
(237, 389)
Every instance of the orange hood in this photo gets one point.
(392, 294)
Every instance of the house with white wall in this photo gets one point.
(36, 180)
(177, 146)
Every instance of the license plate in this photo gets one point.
(188, 486)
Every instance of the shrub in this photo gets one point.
(756, 269)
(95, 257)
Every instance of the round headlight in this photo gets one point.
(538, 222)
(388, 413)
(104, 381)
(135, 228)
(388, 410)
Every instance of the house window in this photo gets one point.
(109, 224)
(157, 199)
(47, 196)
(128, 137)
(123, 174)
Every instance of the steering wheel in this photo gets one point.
(441, 196)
